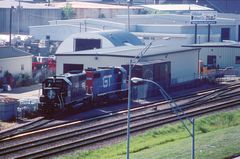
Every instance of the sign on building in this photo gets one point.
(203, 17)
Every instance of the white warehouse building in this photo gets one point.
(219, 55)
(120, 49)
(15, 61)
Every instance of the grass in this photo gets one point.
(217, 137)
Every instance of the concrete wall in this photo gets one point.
(7, 64)
(102, 13)
(56, 32)
(23, 18)
(61, 29)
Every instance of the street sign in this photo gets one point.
(203, 17)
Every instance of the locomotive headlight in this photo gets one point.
(51, 94)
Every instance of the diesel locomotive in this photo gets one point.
(82, 88)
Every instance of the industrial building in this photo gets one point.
(222, 6)
(219, 55)
(68, 60)
(15, 61)
(25, 14)
(162, 28)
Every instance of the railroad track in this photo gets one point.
(120, 131)
(40, 123)
(26, 127)
(120, 126)
(194, 98)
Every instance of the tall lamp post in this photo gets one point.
(176, 109)
(131, 66)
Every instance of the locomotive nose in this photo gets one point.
(51, 94)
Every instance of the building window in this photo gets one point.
(87, 44)
(72, 67)
(225, 34)
(211, 62)
(22, 67)
(237, 61)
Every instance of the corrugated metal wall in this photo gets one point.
(225, 56)
(180, 70)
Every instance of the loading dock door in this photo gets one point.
(72, 67)
(225, 34)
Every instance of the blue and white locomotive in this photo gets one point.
(85, 88)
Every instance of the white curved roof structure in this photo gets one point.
(107, 39)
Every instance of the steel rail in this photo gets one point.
(122, 131)
(87, 130)
(148, 115)
(155, 105)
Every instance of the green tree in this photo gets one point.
(68, 12)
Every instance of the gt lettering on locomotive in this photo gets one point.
(107, 81)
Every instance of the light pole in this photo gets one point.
(131, 66)
(129, 107)
(176, 109)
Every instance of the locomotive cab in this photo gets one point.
(59, 92)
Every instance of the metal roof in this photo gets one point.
(121, 38)
(9, 52)
(60, 5)
(176, 7)
(216, 44)
(129, 51)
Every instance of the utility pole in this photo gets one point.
(19, 12)
(10, 27)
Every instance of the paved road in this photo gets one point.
(33, 91)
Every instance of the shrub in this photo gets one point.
(23, 80)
